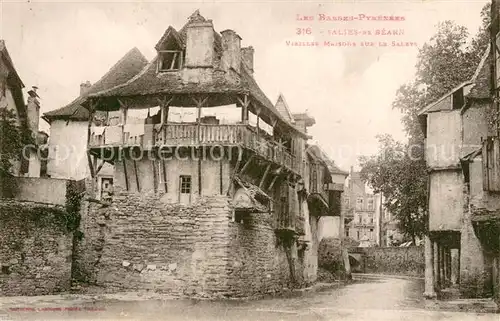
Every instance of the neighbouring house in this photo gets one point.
(38, 214)
(326, 183)
(360, 206)
(203, 205)
(30, 163)
(68, 141)
(462, 149)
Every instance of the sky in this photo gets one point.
(57, 45)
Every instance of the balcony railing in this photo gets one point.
(194, 135)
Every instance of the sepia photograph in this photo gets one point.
(250, 160)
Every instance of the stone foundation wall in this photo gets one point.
(35, 249)
(474, 275)
(142, 241)
(258, 262)
(409, 261)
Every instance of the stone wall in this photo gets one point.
(143, 241)
(474, 272)
(407, 261)
(35, 248)
(258, 260)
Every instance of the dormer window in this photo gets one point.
(170, 60)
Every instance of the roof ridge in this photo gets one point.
(481, 63)
(3, 49)
(113, 68)
(287, 108)
(125, 67)
(128, 82)
(426, 108)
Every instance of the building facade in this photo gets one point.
(361, 209)
(30, 162)
(67, 146)
(214, 193)
(461, 152)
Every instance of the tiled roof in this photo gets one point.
(317, 153)
(15, 83)
(283, 108)
(4, 54)
(436, 106)
(151, 82)
(481, 80)
(127, 67)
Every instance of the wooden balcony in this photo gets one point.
(174, 135)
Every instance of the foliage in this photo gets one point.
(402, 181)
(10, 142)
(399, 169)
(73, 205)
(13, 138)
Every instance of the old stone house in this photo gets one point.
(27, 115)
(203, 205)
(326, 181)
(462, 246)
(37, 213)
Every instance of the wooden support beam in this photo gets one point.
(199, 103)
(272, 182)
(233, 174)
(127, 185)
(220, 176)
(249, 160)
(199, 170)
(164, 104)
(164, 174)
(91, 109)
(244, 108)
(263, 179)
(100, 167)
(155, 178)
(136, 176)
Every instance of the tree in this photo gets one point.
(399, 169)
(398, 176)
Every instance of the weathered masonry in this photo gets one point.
(212, 189)
(39, 218)
(462, 154)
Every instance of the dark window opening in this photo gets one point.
(106, 188)
(5, 269)
(314, 180)
(170, 60)
(241, 217)
(185, 184)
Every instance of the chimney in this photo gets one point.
(33, 110)
(84, 87)
(231, 50)
(247, 57)
(200, 44)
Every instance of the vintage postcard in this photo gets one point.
(253, 160)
